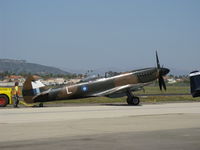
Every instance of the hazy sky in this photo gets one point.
(91, 34)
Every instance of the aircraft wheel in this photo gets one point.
(41, 105)
(133, 101)
(3, 100)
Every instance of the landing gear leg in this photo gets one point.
(131, 99)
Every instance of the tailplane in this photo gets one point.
(31, 88)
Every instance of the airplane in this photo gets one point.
(195, 83)
(124, 84)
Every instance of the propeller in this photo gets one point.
(161, 72)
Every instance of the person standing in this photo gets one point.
(16, 93)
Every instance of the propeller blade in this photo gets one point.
(163, 83)
(161, 72)
(160, 83)
(157, 60)
(164, 86)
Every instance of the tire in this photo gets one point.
(4, 100)
(41, 105)
(133, 101)
(136, 101)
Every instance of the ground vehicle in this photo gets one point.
(5, 96)
(195, 83)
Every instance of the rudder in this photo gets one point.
(32, 87)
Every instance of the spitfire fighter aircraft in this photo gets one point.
(116, 86)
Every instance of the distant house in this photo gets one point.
(50, 81)
(171, 80)
(14, 78)
(9, 81)
(73, 81)
(54, 81)
(59, 81)
(37, 77)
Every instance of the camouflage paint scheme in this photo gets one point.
(116, 86)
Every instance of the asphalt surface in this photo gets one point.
(161, 126)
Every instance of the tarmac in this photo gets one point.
(171, 126)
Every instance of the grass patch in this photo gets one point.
(170, 90)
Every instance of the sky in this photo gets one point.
(94, 34)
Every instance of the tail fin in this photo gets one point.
(195, 83)
(32, 87)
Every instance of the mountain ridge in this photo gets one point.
(22, 66)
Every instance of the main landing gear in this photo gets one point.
(41, 105)
(131, 99)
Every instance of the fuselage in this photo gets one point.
(88, 89)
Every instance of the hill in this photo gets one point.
(21, 66)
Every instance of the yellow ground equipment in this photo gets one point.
(5, 96)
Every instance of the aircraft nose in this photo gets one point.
(164, 71)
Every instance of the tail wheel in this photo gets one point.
(3, 100)
(41, 105)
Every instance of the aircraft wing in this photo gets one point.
(121, 90)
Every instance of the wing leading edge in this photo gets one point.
(121, 90)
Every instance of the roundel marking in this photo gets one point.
(84, 88)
